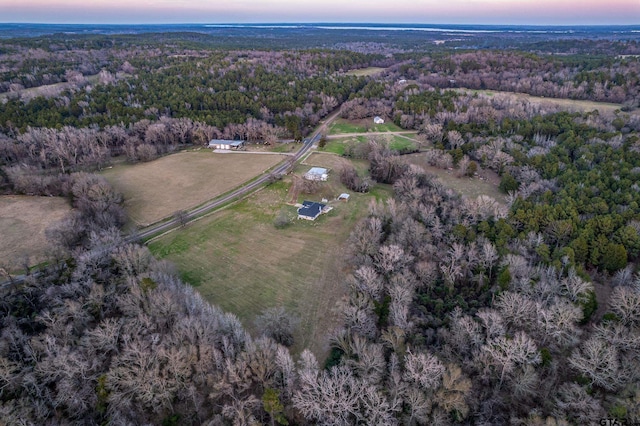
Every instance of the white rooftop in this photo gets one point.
(317, 171)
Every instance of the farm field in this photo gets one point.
(157, 189)
(485, 183)
(239, 261)
(568, 104)
(23, 220)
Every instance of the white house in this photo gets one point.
(378, 120)
(317, 173)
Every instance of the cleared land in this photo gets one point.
(239, 261)
(155, 190)
(364, 72)
(328, 161)
(341, 126)
(485, 183)
(398, 142)
(568, 104)
(47, 90)
(23, 220)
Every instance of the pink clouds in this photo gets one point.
(570, 12)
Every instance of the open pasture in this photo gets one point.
(23, 221)
(484, 183)
(239, 261)
(572, 105)
(365, 72)
(157, 189)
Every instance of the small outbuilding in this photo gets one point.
(378, 120)
(343, 197)
(225, 144)
(317, 173)
(310, 210)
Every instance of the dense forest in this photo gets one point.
(459, 311)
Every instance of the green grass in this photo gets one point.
(398, 143)
(343, 126)
(394, 142)
(239, 261)
(386, 127)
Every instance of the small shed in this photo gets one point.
(225, 144)
(343, 197)
(378, 120)
(317, 173)
(310, 210)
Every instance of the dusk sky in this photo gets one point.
(541, 12)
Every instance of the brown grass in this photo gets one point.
(484, 183)
(568, 104)
(155, 190)
(239, 261)
(365, 72)
(23, 220)
(329, 161)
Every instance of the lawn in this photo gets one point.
(23, 220)
(321, 159)
(239, 261)
(338, 145)
(341, 126)
(485, 183)
(365, 72)
(157, 189)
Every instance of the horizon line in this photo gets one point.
(303, 23)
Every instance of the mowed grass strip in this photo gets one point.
(157, 189)
(23, 221)
(239, 261)
(485, 183)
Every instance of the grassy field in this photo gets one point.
(155, 190)
(342, 126)
(321, 159)
(393, 141)
(47, 90)
(485, 183)
(239, 261)
(365, 72)
(568, 104)
(23, 220)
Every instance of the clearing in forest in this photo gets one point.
(486, 181)
(365, 72)
(23, 220)
(572, 105)
(238, 260)
(157, 189)
(365, 125)
(397, 142)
